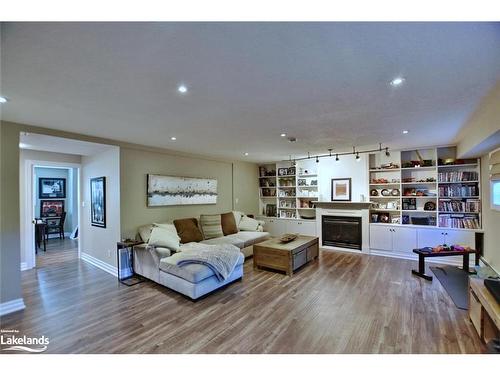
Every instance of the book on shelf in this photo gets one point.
(464, 221)
(458, 176)
(453, 205)
(458, 191)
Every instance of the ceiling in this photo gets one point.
(41, 142)
(327, 84)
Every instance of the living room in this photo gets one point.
(251, 188)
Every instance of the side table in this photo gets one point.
(133, 279)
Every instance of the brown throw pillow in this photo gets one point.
(228, 224)
(188, 230)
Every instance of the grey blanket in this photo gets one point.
(221, 259)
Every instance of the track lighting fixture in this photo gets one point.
(337, 158)
(354, 152)
(357, 156)
(317, 159)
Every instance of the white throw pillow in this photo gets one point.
(145, 232)
(162, 237)
(248, 224)
(167, 226)
(237, 217)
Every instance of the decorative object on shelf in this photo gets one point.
(341, 189)
(420, 220)
(307, 216)
(405, 219)
(288, 237)
(270, 210)
(374, 193)
(51, 187)
(410, 192)
(98, 202)
(395, 220)
(173, 191)
(430, 206)
(51, 208)
(409, 204)
(282, 171)
(384, 217)
(395, 192)
(374, 218)
(385, 192)
(389, 166)
(314, 182)
(380, 181)
(291, 171)
(301, 182)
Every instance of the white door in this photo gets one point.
(404, 239)
(306, 228)
(430, 237)
(460, 237)
(381, 237)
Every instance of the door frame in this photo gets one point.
(27, 227)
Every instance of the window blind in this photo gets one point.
(495, 165)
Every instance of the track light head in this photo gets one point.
(387, 153)
(337, 158)
(357, 156)
(317, 159)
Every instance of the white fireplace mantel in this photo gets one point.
(343, 205)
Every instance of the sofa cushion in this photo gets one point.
(193, 273)
(251, 238)
(230, 239)
(188, 230)
(228, 224)
(162, 252)
(211, 226)
(163, 237)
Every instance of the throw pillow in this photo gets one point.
(162, 237)
(167, 226)
(188, 230)
(237, 217)
(145, 232)
(228, 224)
(248, 224)
(211, 226)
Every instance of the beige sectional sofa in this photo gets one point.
(147, 258)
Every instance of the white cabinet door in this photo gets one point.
(292, 226)
(381, 237)
(274, 226)
(460, 237)
(306, 228)
(430, 237)
(404, 239)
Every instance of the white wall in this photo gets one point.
(98, 242)
(346, 167)
(491, 219)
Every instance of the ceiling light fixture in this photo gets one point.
(173, 138)
(246, 153)
(283, 135)
(182, 89)
(337, 158)
(387, 153)
(317, 159)
(405, 131)
(3, 99)
(356, 153)
(357, 156)
(398, 81)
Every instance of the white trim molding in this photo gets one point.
(24, 266)
(11, 306)
(99, 264)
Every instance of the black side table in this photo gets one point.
(133, 279)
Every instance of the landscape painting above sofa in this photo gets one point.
(172, 190)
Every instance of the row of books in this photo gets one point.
(469, 205)
(459, 221)
(458, 176)
(458, 191)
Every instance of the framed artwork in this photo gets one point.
(98, 202)
(51, 187)
(341, 189)
(51, 208)
(174, 191)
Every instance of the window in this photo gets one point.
(495, 194)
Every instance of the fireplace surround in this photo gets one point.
(342, 231)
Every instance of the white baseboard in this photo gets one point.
(414, 257)
(24, 266)
(12, 306)
(99, 264)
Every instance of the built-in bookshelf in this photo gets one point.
(428, 186)
(288, 191)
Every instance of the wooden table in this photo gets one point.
(423, 253)
(286, 257)
(484, 310)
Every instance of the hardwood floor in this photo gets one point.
(343, 303)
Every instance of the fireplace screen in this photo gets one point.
(342, 231)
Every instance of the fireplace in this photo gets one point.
(342, 231)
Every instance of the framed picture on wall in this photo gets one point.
(49, 187)
(341, 189)
(51, 208)
(98, 202)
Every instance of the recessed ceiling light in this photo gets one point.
(405, 131)
(398, 81)
(246, 153)
(182, 89)
(173, 138)
(283, 135)
(3, 99)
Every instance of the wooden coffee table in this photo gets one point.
(287, 257)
